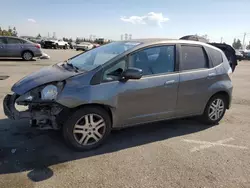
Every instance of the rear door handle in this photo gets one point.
(169, 82)
(210, 75)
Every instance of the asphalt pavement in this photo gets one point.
(179, 153)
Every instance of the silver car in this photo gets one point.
(85, 46)
(122, 84)
(17, 47)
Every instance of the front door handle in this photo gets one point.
(169, 82)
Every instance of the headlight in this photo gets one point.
(49, 92)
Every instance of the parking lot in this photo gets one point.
(179, 153)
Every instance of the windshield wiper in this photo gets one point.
(72, 66)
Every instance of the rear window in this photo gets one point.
(14, 41)
(193, 57)
(216, 56)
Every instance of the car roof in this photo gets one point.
(16, 38)
(152, 41)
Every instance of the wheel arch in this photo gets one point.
(223, 93)
(26, 51)
(65, 113)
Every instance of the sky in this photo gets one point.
(110, 19)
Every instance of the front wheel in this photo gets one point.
(87, 128)
(215, 110)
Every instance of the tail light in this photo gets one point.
(38, 46)
(230, 73)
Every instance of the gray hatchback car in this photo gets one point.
(18, 47)
(122, 84)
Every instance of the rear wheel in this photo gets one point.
(215, 110)
(87, 128)
(27, 55)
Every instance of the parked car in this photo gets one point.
(246, 54)
(55, 44)
(239, 55)
(18, 47)
(72, 45)
(96, 45)
(85, 46)
(122, 84)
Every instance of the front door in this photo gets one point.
(154, 96)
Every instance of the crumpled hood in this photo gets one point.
(45, 75)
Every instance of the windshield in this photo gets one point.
(98, 56)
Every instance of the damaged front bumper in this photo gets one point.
(44, 114)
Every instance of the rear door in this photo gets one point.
(14, 47)
(196, 77)
(2, 47)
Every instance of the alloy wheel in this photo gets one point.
(216, 109)
(89, 129)
(27, 56)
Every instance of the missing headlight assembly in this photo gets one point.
(42, 107)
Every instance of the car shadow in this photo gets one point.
(26, 149)
(4, 77)
(14, 59)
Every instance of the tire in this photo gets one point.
(79, 137)
(27, 55)
(212, 118)
(56, 46)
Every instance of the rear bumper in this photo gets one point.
(81, 48)
(38, 54)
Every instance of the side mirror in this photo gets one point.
(132, 73)
(117, 72)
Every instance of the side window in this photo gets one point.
(14, 41)
(2, 40)
(215, 56)
(193, 57)
(155, 60)
(114, 72)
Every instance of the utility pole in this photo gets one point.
(243, 42)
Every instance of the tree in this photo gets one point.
(14, 32)
(248, 46)
(9, 32)
(237, 44)
(38, 36)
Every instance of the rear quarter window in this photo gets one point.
(193, 57)
(215, 56)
